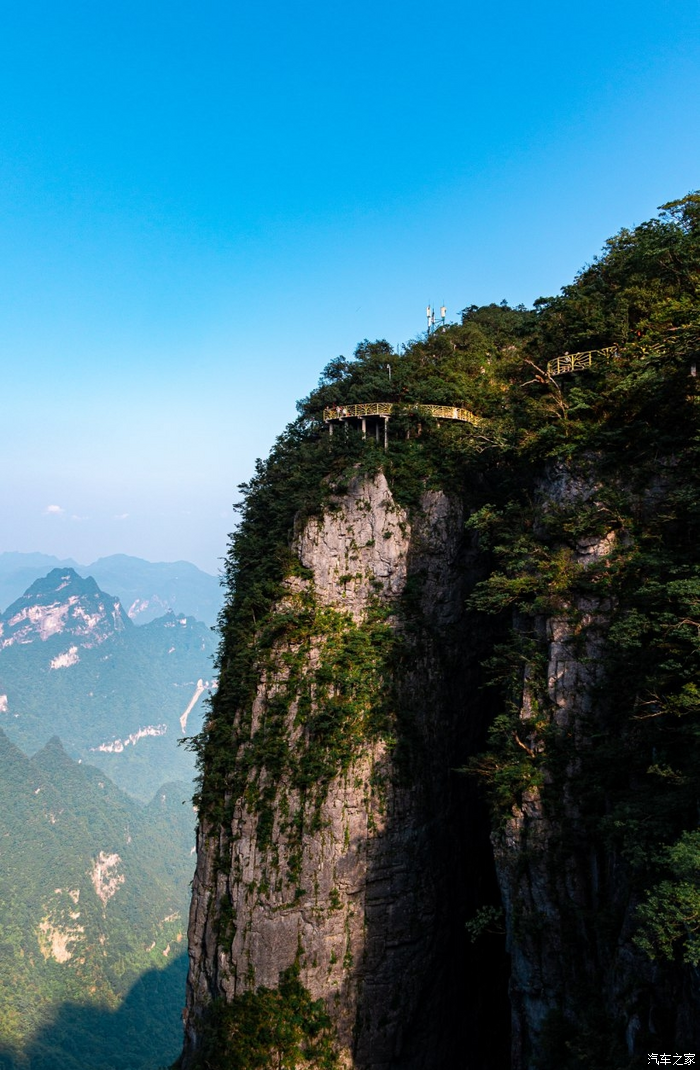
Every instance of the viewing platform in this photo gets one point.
(383, 410)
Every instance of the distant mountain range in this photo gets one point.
(145, 589)
(94, 884)
(73, 664)
(94, 890)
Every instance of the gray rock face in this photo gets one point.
(63, 603)
(358, 551)
(546, 884)
(365, 881)
(370, 915)
(569, 898)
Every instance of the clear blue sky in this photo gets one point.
(202, 203)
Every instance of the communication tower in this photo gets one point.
(430, 316)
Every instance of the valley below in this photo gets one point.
(96, 824)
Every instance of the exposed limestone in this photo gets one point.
(64, 661)
(57, 932)
(63, 604)
(537, 892)
(44, 620)
(56, 941)
(557, 885)
(367, 916)
(359, 550)
(116, 746)
(201, 687)
(104, 876)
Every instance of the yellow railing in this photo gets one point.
(386, 408)
(569, 362)
(577, 362)
(341, 412)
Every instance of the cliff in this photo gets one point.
(449, 795)
(360, 878)
(602, 774)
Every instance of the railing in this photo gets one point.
(386, 408)
(577, 362)
(569, 362)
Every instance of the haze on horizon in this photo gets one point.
(202, 206)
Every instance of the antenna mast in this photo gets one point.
(430, 316)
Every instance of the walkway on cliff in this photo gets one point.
(578, 362)
(387, 408)
(383, 410)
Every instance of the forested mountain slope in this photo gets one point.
(73, 664)
(93, 900)
(459, 700)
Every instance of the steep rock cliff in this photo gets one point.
(361, 858)
(516, 597)
(575, 847)
(362, 878)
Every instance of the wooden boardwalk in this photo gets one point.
(388, 408)
(566, 364)
(578, 362)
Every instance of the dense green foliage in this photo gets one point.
(72, 961)
(280, 1027)
(625, 435)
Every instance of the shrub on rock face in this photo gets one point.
(271, 1027)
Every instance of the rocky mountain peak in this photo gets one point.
(63, 603)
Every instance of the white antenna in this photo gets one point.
(443, 314)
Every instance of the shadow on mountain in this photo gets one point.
(144, 1033)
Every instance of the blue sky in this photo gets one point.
(201, 204)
